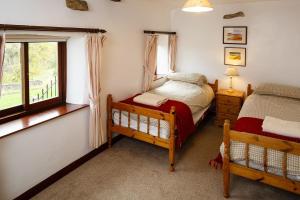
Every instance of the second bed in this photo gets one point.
(265, 155)
(162, 127)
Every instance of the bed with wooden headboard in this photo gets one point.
(150, 115)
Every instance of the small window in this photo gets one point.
(11, 93)
(33, 77)
(43, 71)
(162, 55)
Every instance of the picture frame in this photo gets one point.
(235, 56)
(235, 35)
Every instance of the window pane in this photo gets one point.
(11, 95)
(43, 71)
(162, 55)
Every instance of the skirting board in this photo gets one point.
(61, 173)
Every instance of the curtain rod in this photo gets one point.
(49, 28)
(159, 32)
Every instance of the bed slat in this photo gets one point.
(138, 122)
(247, 154)
(120, 117)
(128, 119)
(265, 159)
(158, 128)
(148, 124)
(284, 165)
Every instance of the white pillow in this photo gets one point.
(278, 90)
(194, 78)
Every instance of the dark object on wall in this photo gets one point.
(231, 16)
(159, 32)
(116, 0)
(77, 5)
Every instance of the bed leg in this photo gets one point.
(172, 140)
(172, 160)
(109, 120)
(226, 159)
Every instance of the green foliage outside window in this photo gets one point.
(43, 62)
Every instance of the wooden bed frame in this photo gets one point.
(245, 171)
(146, 137)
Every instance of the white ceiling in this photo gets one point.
(235, 1)
(178, 2)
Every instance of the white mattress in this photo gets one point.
(153, 129)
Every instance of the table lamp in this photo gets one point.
(231, 72)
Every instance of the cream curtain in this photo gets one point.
(2, 48)
(172, 52)
(150, 61)
(94, 55)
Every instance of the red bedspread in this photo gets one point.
(184, 119)
(254, 125)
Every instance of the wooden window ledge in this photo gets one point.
(158, 77)
(29, 121)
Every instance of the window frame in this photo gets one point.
(26, 108)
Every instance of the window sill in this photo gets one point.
(158, 77)
(29, 121)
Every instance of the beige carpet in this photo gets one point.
(135, 170)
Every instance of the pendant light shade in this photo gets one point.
(197, 6)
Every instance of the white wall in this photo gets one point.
(29, 157)
(77, 72)
(273, 42)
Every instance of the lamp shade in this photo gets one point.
(231, 71)
(197, 6)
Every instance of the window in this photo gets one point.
(162, 55)
(11, 94)
(33, 77)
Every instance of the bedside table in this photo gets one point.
(229, 105)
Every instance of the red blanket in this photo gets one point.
(184, 119)
(254, 125)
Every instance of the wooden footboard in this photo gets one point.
(284, 146)
(137, 134)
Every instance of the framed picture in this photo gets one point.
(235, 56)
(235, 34)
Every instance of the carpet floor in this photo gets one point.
(136, 170)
